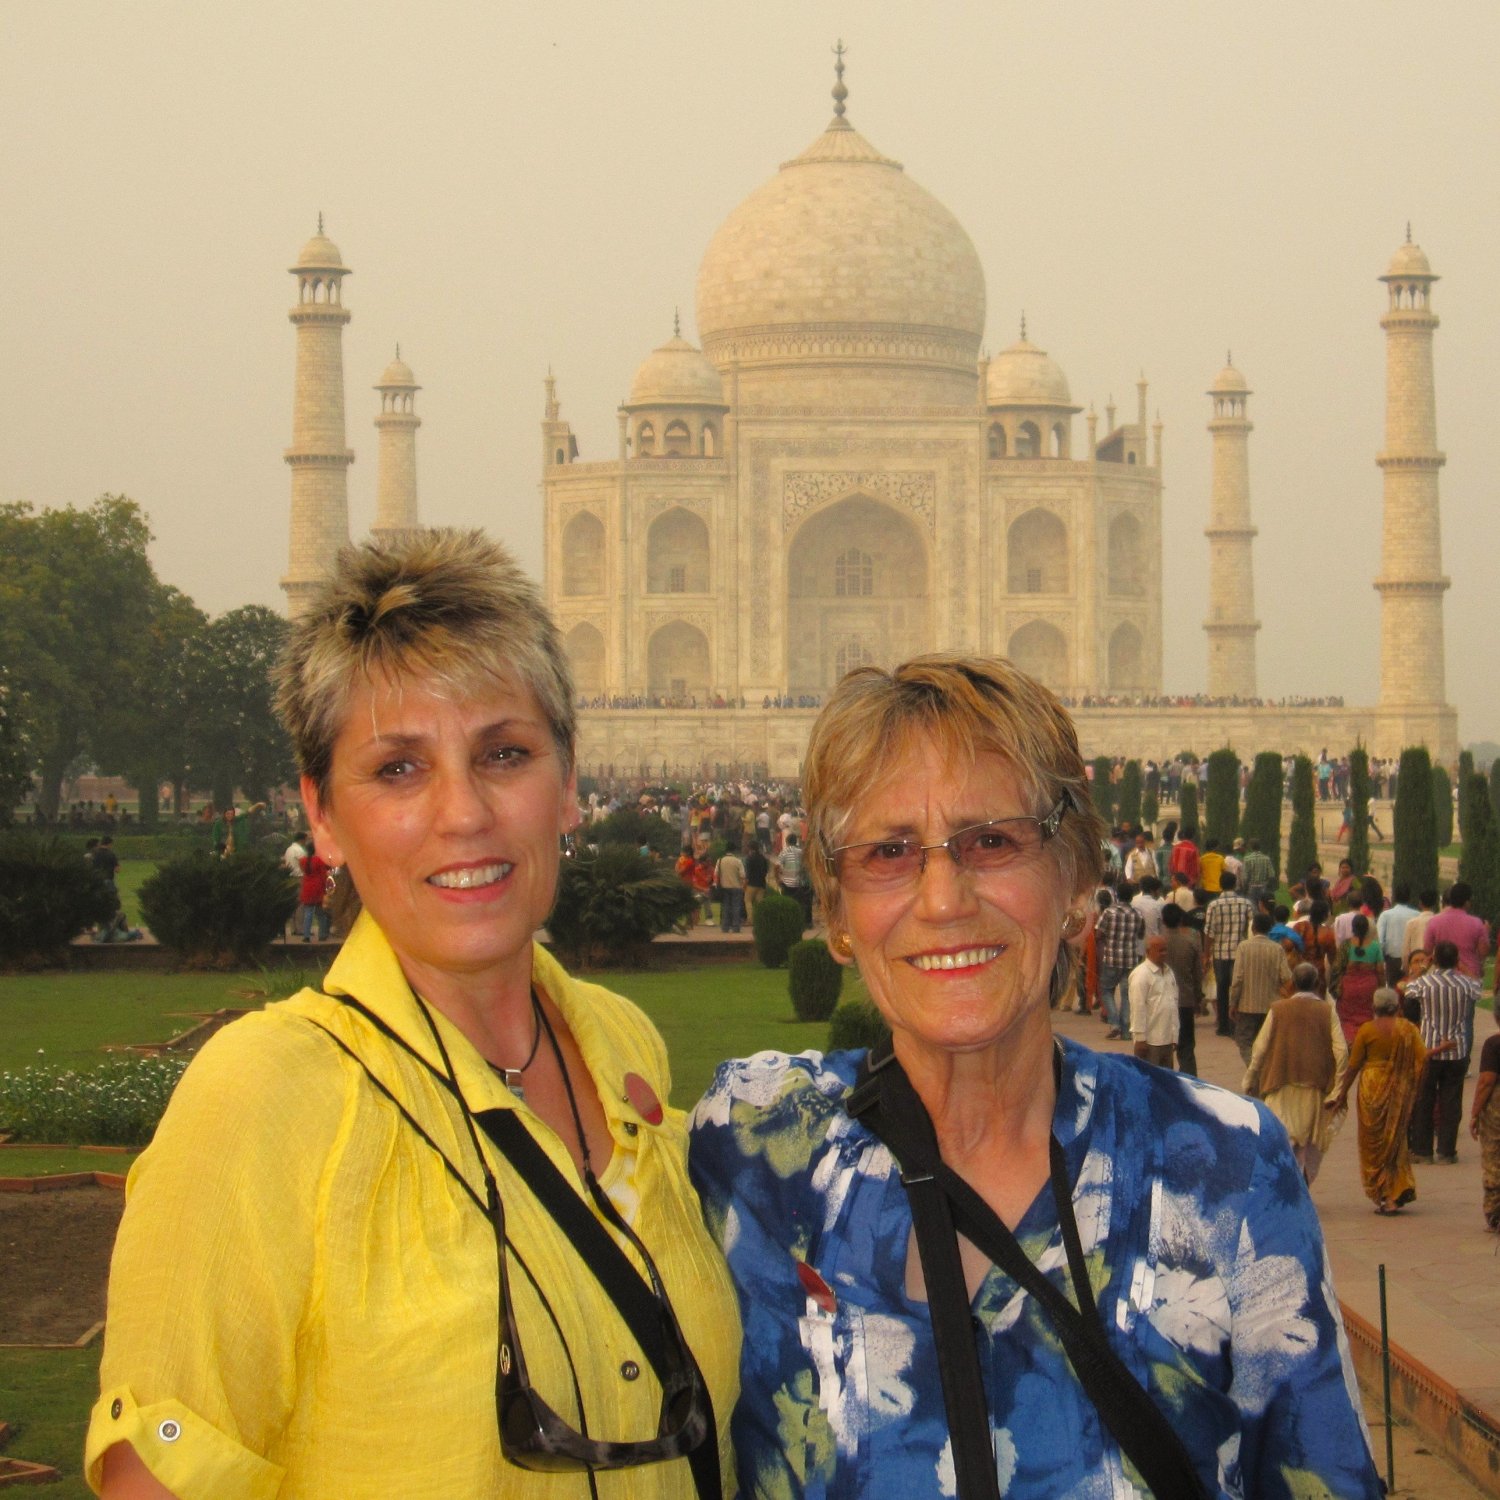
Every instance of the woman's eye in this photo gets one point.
(506, 754)
(993, 841)
(395, 770)
(891, 849)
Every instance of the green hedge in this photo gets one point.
(48, 895)
(777, 925)
(814, 979)
(611, 905)
(218, 913)
(856, 1024)
(1302, 842)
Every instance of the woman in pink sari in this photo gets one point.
(1361, 970)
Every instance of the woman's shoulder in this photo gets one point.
(814, 1082)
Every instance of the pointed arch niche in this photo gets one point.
(585, 648)
(857, 572)
(1126, 653)
(1036, 549)
(677, 662)
(677, 554)
(1127, 557)
(1041, 650)
(583, 555)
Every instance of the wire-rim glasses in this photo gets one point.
(980, 849)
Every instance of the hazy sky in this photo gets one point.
(518, 186)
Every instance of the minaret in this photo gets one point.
(1411, 581)
(396, 484)
(318, 457)
(1231, 622)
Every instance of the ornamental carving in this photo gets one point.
(698, 619)
(805, 490)
(660, 504)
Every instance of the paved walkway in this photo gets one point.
(1442, 1266)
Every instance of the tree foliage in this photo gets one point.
(1302, 842)
(1128, 808)
(1187, 806)
(1223, 800)
(1262, 816)
(1494, 789)
(1102, 790)
(218, 913)
(48, 895)
(1480, 861)
(15, 751)
(632, 827)
(1359, 802)
(814, 978)
(1416, 843)
(1465, 776)
(610, 905)
(1442, 808)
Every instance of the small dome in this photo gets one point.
(676, 374)
(398, 373)
(1409, 260)
(319, 254)
(1229, 382)
(1024, 375)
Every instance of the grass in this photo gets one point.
(51, 1161)
(129, 878)
(46, 1395)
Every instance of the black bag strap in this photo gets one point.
(633, 1299)
(884, 1101)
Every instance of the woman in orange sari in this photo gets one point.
(1387, 1057)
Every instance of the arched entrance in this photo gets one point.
(583, 555)
(1037, 554)
(677, 663)
(857, 592)
(1126, 674)
(677, 554)
(1127, 557)
(585, 647)
(1041, 650)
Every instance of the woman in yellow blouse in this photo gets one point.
(426, 1231)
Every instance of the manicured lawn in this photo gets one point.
(129, 878)
(51, 1161)
(45, 1394)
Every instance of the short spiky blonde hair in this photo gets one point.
(970, 706)
(451, 608)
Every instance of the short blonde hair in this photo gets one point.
(968, 705)
(450, 608)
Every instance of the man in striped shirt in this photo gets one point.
(1226, 927)
(1262, 976)
(1447, 997)
(1116, 935)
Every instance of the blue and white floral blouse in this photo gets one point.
(1204, 1252)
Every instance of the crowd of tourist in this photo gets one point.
(1194, 700)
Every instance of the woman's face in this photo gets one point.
(448, 815)
(954, 960)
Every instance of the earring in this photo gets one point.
(842, 944)
(331, 883)
(1072, 924)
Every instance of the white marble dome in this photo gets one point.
(1024, 375)
(1409, 260)
(842, 241)
(1229, 382)
(398, 374)
(676, 374)
(319, 254)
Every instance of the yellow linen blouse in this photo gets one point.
(303, 1304)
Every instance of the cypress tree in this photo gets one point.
(1262, 816)
(1359, 798)
(1101, 790)
(1480, 864)
(1128, 811)
(1495, 788)
(1465, 776)
(1302, 846)
(1223, 805)
(1442, 808)
(1150, 808)
(1416, 845)
(1187, 805)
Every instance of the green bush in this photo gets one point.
(1302, 843)
(777, 925)
(1262, 816)
(1359, 806)
(632, 827)
(1150, 810)
(115, 1104)
(856, 1024)
(1442, 807)
(1102, 790)
(1416, 864)
(1480, 863)
(610, 905)
(1464, 784)
(1187, 805)
(814, 977)
(1128, 809)
(1223, 801)
(218, 913)
(47, 897)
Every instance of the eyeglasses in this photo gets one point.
(983, 849)
(533, 1436)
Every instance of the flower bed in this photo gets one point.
(118, 1103)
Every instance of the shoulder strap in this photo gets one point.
(887, 1105)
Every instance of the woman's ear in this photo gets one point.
(330, 851)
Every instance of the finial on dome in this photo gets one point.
(676, 322)
(1229, 358)
(840, 93)
(320, 224)
(1408, 231)
(398, 349)
(1023, 327)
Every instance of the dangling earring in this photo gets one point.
(842, 944)
(1072, 924)
(331, 883)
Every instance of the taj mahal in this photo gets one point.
(838, 474)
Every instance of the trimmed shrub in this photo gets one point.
(612, 904)
(1262, 816)
(1359, 806)
(1223, 803)
(1442, 808)
(1480, 863)
(1101, 790)
(1302, 842)
(856, 1024)
(1416, 845)
(115, 1104)
(1465, 778)
(1150, 809)
(814, 977)
(1187, 806)
(47, 897)
(1128, 811)
(777, 925)
(631, 827)
(218, 913)
(1494, 789)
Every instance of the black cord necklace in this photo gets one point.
(511, 1077)
(562, 1067)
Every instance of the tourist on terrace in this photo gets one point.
(1179, 1332)
(426, 1231)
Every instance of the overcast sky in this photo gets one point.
(522, 186)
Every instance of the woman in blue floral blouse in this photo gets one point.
(953, 847)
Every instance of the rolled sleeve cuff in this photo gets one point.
(182, 1451)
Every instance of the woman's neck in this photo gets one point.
(491, 1008)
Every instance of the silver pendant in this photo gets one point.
(511, 1078)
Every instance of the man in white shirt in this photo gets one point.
(1390, 928)
(1140, 862)
(1148, 903)
(295, 852)
(1153, 1005)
